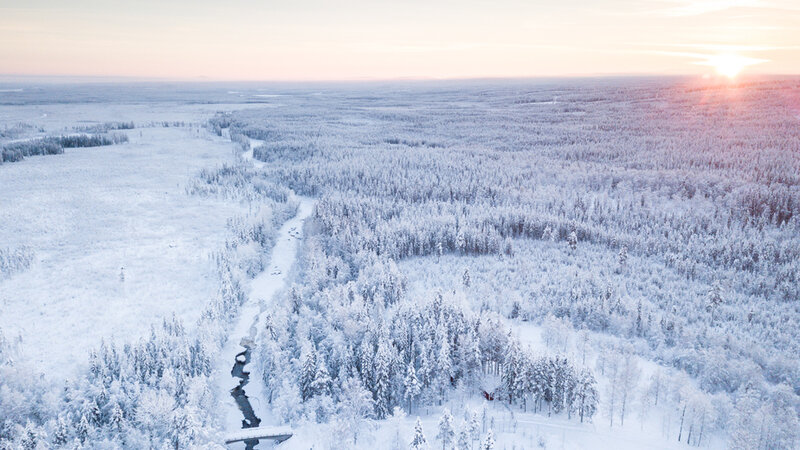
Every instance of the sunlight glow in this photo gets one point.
(730, 64)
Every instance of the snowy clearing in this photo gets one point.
(118, 243)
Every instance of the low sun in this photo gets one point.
(730, 64)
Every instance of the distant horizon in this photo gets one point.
(100, 79)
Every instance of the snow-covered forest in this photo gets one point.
(610, 263)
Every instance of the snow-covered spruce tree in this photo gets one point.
(572, 240)
(418, 442)
(444, 366)
(411, 387)
(474, 427)
(382, 380)
(322, 380)
(464, 442)
(447, 433)
(488, 443)
(308, 372)
(511, 371)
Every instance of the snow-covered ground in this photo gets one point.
(118, 243)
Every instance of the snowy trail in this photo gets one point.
(261, 291)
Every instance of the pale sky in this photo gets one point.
(374, 39)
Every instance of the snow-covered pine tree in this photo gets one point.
(444, 365)
(418, 442)
(463, 442)
(523, 382)
(447, 431)
(83, 430)
(714, 299)
(322, 380)
(461, 242)
(511, 369)
(474, 427)
(117, 418)
(411, 386)
(61, 433)
(382, 392)
(488, 443)
(308, 372)
(366, 356)
(622, 257)
(547, 234)
(572, 240)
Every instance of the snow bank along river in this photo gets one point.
(242, 410)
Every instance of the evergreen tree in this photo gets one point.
(622, 258)
(418, 442)
(447, 432)
(117, 417)
(366, 356)
(572, 240)
(61, 433)
(30, 438)
(444, 369)
(83, 429)
(523, 382)
(461, 242)
(511, 369)
(463, 440)
(474, 427)
(382, 381)
(488, 443)
(308, 373)
(322, 380)
(715, 299)
(411, 386)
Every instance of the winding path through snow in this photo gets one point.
(261, 292)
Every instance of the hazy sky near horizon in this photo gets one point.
(357, 39)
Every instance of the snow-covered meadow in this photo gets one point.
(118, 243)
(607, 263)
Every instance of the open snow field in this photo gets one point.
(118, 243)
